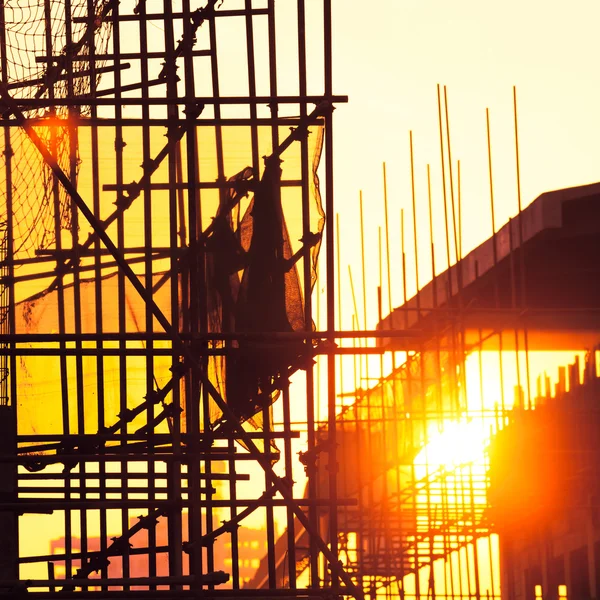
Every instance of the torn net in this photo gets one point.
(254, 287)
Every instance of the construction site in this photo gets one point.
(183, 413)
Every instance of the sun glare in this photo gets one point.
(459, 443)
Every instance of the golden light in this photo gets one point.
(459, 443)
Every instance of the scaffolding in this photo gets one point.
(168, 198)
(156, 312)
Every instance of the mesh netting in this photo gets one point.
(36, 30)
(254, 286)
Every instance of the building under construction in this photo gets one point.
(175, 415)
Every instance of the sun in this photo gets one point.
(459, 443)
(450, 469)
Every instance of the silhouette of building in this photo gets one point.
(544, 491)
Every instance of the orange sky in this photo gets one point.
(389, 58)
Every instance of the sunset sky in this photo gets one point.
(390, 55)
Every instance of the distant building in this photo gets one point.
(544, 492)
(252, 544)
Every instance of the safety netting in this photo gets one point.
(46, 54)
(254, 287)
